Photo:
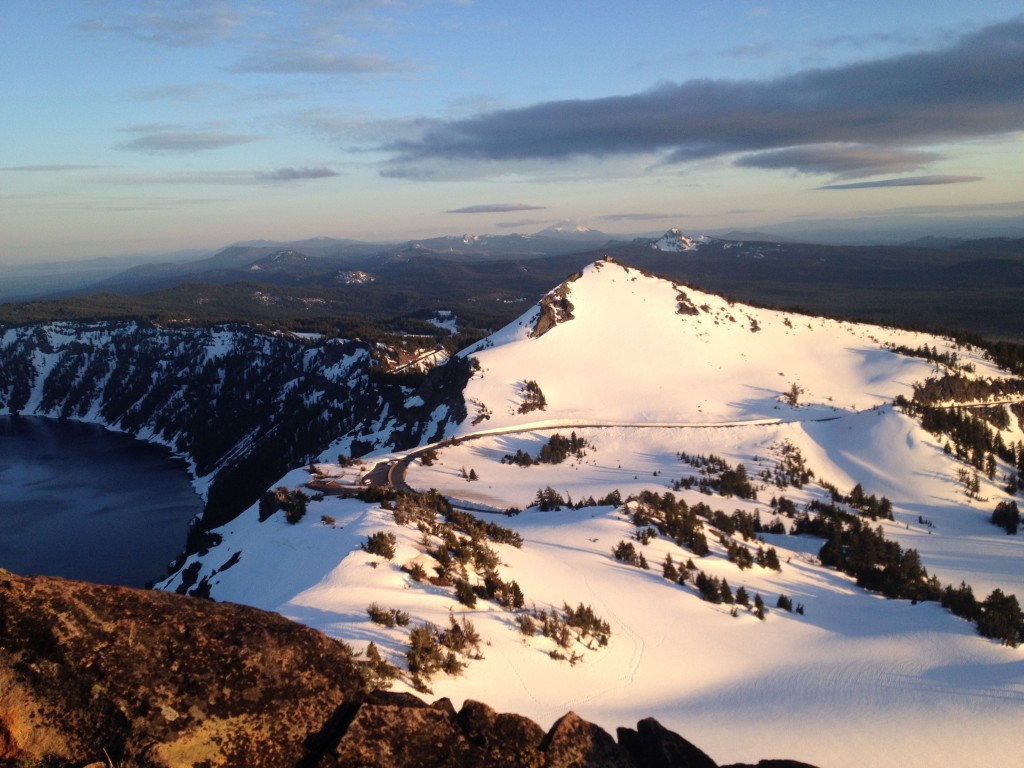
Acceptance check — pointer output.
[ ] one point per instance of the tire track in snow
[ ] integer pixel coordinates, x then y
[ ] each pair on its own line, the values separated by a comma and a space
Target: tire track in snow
636, 657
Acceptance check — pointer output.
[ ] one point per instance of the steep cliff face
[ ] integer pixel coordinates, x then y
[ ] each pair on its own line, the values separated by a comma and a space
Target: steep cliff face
242, 406
100, 675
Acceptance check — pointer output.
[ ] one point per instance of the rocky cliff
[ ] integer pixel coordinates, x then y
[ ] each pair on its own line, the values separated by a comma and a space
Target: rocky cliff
243, 406
111, 676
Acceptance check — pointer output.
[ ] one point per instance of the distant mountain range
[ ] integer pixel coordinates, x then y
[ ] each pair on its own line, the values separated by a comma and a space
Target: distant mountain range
488, 276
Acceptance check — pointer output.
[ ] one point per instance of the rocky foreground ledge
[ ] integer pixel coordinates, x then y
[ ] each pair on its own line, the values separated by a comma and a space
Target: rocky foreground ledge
112, 676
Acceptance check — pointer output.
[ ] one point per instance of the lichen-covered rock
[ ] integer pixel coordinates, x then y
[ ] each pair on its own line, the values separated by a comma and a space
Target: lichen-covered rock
150, 678
573, 742
93, 675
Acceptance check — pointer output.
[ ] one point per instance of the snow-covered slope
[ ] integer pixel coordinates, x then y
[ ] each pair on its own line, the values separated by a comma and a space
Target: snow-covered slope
638, 349
645, 371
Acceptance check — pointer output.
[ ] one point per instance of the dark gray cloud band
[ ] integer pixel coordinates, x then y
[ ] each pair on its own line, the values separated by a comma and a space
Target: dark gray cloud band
497, 208
972, 88
912, 181
846, 161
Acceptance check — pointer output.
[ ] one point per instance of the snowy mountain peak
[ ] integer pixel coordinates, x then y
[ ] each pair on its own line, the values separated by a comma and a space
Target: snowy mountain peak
572, 229
676, 241
604, 345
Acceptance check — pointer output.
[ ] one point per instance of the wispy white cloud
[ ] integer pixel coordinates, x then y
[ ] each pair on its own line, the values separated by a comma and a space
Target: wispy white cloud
173, 24
276, 176
53, 168
639, 216
296, 61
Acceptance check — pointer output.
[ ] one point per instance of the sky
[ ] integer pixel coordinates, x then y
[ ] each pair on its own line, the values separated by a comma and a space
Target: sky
151, 126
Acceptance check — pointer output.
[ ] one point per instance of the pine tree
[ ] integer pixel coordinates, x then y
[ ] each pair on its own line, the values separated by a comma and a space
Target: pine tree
726, 593
1007, 516
759, 609
742, 598
669, 570
1001, 618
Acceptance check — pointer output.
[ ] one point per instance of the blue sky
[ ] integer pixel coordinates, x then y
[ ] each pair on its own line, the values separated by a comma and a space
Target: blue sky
151, 125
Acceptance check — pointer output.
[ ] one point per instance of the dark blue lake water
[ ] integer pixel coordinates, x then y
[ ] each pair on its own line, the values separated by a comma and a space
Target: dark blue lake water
84, 503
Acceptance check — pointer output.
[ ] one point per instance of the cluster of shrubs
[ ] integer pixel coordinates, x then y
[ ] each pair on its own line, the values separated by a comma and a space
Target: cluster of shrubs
741, 555
382, 543
957, 388
1007, 516
376, 672
673, 519
533, 398
999, 616
869, 506
432, 650
477, 528
572, 625
791, 468
786, 604
930, 354
294, 504
717, 475
549, 500
557, 449
625, 552
387, 617
455, 553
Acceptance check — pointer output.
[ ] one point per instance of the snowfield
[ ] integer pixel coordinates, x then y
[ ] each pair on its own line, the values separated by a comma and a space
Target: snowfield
854, 680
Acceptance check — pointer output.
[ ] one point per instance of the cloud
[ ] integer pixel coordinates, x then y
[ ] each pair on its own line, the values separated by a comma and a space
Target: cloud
1013, 207
972, 88
297, 174
183, 142
497, 208
639, 216
913, 181
51, 168
522, 223
278, 176
846, 161
292, 62
173, 24
175, 92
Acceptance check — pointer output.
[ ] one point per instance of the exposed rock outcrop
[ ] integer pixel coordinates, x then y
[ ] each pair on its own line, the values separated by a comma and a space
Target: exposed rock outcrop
95, 674
155, 679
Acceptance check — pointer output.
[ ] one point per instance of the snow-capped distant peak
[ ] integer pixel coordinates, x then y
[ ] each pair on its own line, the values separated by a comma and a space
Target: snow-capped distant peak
571, 229
674, 240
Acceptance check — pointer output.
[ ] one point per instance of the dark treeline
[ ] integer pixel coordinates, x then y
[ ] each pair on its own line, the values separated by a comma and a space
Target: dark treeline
852, 546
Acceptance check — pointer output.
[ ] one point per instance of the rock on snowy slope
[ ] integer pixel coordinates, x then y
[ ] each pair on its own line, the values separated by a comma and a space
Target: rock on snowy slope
103, 675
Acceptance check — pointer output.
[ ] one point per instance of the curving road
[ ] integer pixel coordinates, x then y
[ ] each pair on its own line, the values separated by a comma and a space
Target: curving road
391, 473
